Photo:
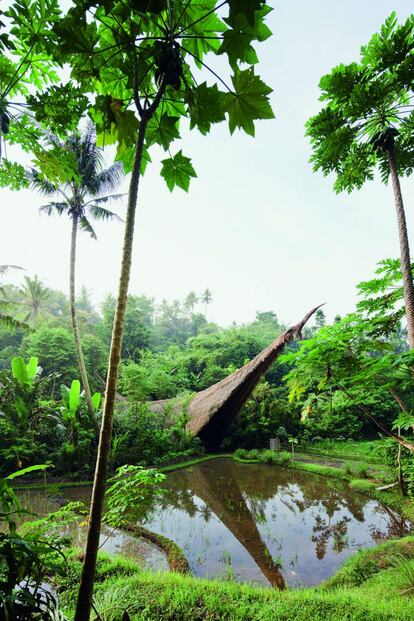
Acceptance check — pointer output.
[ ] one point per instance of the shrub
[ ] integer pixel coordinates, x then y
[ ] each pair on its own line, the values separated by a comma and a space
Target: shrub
284, 458
362, 471
269, 457
240, 453
348, 468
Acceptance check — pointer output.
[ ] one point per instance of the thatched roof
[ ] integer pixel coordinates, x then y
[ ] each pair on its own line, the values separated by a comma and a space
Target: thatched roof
212, 410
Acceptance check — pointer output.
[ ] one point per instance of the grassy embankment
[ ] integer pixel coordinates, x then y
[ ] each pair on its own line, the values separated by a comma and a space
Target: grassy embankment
374, 585
355, 463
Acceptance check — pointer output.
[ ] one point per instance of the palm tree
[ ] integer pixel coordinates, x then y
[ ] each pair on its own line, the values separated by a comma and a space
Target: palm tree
190, 301
81, 200
34, 297
206, 298
7, 305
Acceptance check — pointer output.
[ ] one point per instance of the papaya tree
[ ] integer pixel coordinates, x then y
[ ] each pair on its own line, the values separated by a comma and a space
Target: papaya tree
28, 66
367, 123
146, 66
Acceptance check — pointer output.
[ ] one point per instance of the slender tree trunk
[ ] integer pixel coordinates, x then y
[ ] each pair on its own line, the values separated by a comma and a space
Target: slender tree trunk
404, 247
84, 602
76, 333
400, 471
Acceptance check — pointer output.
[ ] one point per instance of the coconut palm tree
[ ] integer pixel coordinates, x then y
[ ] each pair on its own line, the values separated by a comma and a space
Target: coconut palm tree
206, 298
6, 305
190, 301
34, 297
81, 200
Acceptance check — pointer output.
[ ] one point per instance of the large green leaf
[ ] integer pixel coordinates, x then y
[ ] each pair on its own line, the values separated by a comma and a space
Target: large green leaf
74, 396
96, 400
163, 130
206, 105
19, 370
249, 102
28, 470
31, 367
177, 171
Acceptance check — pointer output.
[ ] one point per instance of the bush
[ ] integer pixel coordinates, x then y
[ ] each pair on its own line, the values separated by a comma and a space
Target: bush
348, 468
362, 471
143, 437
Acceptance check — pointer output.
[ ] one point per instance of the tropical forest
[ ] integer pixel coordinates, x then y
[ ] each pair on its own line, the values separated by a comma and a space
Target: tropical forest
206, 310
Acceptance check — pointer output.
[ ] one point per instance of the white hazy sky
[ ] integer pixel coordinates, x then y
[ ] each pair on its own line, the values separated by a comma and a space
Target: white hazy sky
258, 227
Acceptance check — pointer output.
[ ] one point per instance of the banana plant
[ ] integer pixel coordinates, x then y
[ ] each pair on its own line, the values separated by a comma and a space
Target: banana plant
72, 413
18, 394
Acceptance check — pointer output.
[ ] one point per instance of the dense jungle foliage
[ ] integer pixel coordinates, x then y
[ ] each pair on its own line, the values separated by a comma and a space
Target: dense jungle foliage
338, 383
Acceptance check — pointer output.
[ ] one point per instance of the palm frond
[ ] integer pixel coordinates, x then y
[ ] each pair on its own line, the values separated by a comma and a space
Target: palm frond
100, 213
53, 207
101, 200
109, 179
40, 184
6, 321
89, 156
6, 305
85, 225
6, 268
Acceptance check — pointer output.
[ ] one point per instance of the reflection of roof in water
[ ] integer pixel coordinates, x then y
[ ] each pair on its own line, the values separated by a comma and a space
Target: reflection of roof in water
211, 410
219, 490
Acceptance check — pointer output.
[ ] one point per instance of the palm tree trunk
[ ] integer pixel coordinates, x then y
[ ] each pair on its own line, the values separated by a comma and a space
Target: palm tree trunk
76, 333
84, 602
408, 284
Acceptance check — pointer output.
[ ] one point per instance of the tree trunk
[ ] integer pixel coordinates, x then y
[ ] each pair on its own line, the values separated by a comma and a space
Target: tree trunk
84, 602
404, 247
76, 333
399, 466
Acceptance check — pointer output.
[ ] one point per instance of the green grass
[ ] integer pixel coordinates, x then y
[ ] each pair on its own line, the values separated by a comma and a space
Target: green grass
327, 471
176, 558
363, 450
366, 589
190, 462
365, 564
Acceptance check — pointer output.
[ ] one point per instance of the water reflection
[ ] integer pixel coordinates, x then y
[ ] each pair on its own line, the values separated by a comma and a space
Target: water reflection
111, 540
257, 523
255, 519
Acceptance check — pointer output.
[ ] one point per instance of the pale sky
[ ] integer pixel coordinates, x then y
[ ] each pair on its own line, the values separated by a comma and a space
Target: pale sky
257, 227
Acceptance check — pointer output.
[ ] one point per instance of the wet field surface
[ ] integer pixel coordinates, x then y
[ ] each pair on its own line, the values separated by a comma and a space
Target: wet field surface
253, 523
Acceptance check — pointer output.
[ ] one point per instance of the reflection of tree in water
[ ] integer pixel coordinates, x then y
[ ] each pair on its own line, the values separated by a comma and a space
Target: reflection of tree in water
215, 485
239, 494
176, 496
325, 529
397, 526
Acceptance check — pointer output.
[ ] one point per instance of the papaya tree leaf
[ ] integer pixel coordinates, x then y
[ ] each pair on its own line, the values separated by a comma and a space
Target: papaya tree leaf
249, 102
177, 171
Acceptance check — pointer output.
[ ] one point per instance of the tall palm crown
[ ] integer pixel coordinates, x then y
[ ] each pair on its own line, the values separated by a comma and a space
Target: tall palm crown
35, 297
8, 306
82, 198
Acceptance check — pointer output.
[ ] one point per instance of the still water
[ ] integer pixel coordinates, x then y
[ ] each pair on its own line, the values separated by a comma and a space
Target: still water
258, 523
